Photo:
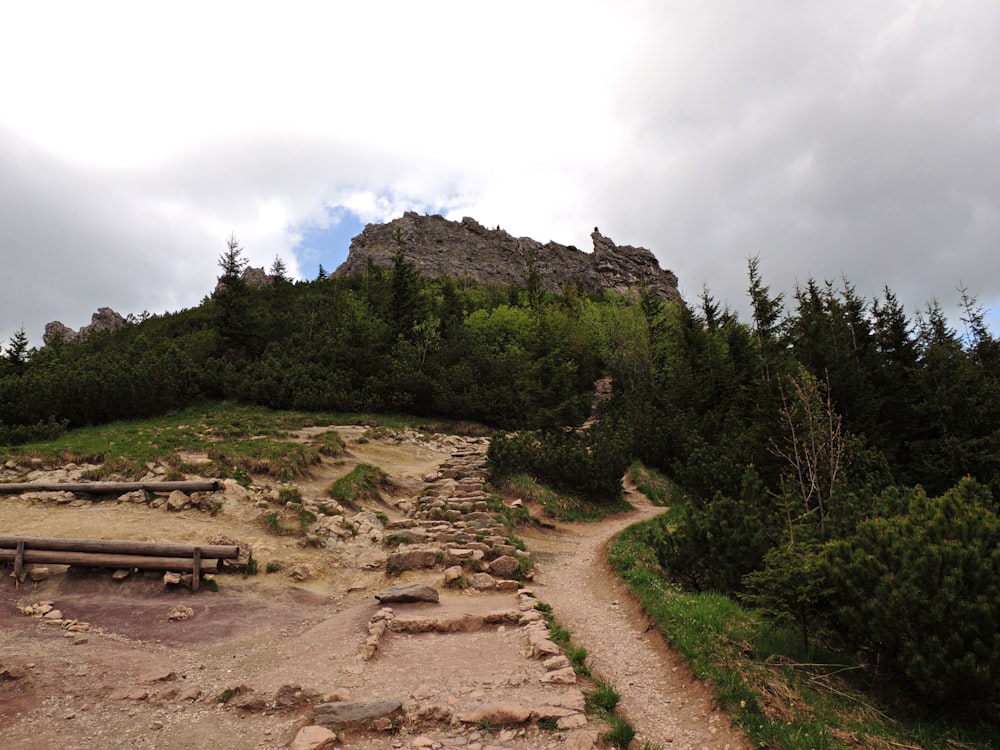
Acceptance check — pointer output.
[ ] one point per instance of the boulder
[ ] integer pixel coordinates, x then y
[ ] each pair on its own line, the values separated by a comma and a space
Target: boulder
412, 559
498, 714
483, 582
178, 501
354, 713
314, 738
506, 567
412, 593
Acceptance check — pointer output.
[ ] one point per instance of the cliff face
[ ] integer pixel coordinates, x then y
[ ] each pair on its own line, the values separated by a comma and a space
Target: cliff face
468, 250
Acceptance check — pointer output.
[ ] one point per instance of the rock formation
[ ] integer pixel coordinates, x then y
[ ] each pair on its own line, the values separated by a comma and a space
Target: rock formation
468, 250
105, 319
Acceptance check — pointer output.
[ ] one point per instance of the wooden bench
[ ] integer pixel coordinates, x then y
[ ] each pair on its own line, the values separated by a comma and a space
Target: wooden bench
118, 554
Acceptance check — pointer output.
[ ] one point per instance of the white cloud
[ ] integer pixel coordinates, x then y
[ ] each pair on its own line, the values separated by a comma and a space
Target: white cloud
851, 138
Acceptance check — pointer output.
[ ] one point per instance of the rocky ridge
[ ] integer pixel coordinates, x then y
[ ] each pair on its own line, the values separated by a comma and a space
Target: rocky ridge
468, 250
105, 319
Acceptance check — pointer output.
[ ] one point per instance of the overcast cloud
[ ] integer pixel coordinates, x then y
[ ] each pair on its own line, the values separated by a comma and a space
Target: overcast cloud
854, 138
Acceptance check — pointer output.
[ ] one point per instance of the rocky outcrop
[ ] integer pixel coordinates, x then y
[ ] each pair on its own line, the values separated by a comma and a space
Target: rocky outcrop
256, 277
468, 250
105, 319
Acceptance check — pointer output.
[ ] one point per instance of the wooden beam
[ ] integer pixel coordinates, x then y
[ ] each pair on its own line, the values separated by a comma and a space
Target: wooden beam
121, 547
101, 560
107, 488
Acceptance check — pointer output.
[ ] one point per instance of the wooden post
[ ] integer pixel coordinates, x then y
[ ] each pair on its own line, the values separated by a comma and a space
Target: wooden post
18, 561
196, 570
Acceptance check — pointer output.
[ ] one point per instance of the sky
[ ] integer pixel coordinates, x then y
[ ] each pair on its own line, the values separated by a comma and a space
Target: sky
854, 139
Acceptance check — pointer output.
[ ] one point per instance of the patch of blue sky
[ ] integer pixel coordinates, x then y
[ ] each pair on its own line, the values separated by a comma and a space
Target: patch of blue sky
993, 316
327, 244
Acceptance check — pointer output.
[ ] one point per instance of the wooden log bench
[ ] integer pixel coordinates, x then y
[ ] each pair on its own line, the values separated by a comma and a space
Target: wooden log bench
106, 488
117, 553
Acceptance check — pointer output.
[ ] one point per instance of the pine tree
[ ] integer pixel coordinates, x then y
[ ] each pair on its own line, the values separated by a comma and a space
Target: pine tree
18, 352
232, 297
767, 312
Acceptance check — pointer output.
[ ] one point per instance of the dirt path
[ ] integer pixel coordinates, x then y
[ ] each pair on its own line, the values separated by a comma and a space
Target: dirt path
658, 695
137, 680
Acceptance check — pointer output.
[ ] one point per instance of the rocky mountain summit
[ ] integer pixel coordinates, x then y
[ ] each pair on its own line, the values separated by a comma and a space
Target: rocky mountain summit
105, 319
468, 250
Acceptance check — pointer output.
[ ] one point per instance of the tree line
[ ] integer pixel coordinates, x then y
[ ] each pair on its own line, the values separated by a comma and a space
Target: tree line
387, 340
842, 468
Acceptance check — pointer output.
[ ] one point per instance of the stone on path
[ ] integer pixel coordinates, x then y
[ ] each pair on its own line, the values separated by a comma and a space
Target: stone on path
505, 567
352, 713
313, 738
498, 714
560, 677
582, 740
180, 612
421, 558
412, 593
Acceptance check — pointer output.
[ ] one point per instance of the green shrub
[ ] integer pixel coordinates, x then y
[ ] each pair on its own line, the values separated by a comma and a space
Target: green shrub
918, 594
712, 545
589, 464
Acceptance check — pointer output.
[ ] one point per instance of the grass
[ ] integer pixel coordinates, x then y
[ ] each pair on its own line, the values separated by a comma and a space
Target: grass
330, 444
658, 488
779, 695
235, 439
362, 483
604, 699
253, 567
239, 440
289, 495
560, 505
620, 732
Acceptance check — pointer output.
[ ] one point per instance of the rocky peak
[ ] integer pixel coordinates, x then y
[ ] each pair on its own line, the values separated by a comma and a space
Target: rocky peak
105, 319
251, 277
468, 250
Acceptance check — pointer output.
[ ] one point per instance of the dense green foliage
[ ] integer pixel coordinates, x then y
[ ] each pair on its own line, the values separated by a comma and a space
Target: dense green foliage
826, 455
385, 341
587, 464
781, 694
916, 589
